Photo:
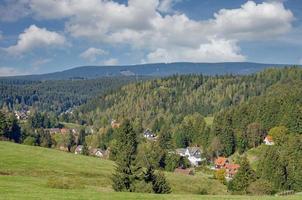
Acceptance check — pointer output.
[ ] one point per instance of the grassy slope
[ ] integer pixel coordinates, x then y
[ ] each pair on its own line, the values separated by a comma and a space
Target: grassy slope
25, 172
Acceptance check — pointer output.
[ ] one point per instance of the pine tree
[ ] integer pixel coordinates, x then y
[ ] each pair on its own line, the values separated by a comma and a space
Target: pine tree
160, 184
81, 139
243, 178
70, 141
126, 171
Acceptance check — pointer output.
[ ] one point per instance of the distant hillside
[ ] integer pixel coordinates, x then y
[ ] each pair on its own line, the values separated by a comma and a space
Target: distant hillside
157, 69
57, 95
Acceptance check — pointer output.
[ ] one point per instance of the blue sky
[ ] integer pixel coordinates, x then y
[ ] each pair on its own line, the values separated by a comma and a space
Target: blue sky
52, 35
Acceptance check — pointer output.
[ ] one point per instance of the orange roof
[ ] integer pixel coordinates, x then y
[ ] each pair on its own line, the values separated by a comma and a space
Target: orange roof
269, 138
232, 166
64, 130
221, 161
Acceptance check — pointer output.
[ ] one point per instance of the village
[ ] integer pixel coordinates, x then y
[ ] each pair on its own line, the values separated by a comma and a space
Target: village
194, 155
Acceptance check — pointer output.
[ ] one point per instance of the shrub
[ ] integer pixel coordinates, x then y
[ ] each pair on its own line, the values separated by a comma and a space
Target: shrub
29, 141
260, 187
220, 175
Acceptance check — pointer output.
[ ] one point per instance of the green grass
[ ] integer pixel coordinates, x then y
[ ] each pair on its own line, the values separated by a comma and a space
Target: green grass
71, 125
38, 173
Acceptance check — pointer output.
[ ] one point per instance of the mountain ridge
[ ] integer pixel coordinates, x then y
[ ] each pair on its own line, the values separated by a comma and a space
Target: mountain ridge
153, 69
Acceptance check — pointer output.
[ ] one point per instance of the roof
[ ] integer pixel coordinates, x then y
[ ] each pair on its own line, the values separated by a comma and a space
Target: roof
193, 150
269, 138
221, 161
180, 151
149, 133
232, 168
115, 124
94, 151
64, 130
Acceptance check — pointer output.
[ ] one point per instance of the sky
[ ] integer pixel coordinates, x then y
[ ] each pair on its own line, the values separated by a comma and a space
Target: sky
41, 36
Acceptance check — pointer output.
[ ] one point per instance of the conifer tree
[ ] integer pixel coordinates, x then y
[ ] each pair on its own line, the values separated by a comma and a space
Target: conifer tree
126, 172
160, 184
243, 178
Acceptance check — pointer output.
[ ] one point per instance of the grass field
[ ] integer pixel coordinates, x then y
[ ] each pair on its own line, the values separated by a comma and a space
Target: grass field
38, 173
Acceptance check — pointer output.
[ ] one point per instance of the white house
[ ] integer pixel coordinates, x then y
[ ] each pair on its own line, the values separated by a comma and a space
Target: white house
98, 153
268, 140
193, 154
149, 135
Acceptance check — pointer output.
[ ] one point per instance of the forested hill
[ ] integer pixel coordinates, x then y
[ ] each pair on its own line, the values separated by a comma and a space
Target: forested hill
173, 98
56, 95
157, 69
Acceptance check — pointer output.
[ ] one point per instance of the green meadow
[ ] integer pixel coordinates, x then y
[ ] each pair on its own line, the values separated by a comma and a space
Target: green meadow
28, 172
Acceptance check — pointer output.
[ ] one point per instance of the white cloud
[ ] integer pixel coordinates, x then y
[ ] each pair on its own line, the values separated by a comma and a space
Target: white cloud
9, 71
35, 37
215, 51
166, 6
111, 61
12, 10
91, 54
141, 24
252, 20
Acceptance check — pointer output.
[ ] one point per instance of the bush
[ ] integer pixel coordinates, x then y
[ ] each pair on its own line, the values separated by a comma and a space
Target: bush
203, 191
29, 141
260, 187
220, 175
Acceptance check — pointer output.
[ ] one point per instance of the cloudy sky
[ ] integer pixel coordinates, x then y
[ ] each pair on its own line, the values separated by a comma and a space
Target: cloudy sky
51, 35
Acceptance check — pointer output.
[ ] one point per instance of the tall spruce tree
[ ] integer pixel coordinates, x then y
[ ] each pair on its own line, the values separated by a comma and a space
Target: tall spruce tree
126, 172
244, 177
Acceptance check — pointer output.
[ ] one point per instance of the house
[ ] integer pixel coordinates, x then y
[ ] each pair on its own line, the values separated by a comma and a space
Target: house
64, 131
115, 124
21, 115
98, 153
187, 171
268, 140
53, 130
231, 170
148, 134
181, 152
221, 162
193, 154
79, 149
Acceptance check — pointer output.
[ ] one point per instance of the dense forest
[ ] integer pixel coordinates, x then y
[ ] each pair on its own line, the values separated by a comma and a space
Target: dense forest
56, 95
175, 97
